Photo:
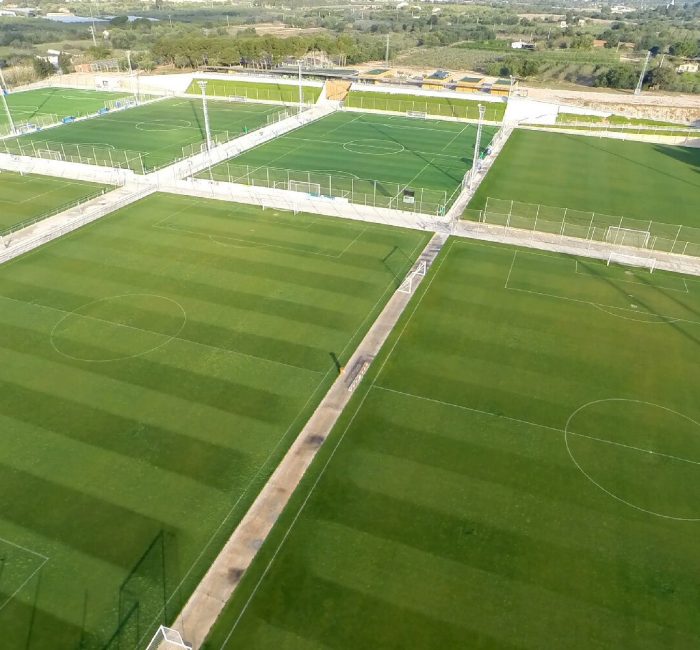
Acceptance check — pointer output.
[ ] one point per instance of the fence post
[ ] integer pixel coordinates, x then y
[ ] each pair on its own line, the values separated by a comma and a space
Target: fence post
673, 246
563, 223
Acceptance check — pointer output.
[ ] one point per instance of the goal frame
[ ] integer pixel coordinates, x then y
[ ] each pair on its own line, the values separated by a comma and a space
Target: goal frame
616, 235
418, 115
49, 154
305, 187
166, 638
411, 280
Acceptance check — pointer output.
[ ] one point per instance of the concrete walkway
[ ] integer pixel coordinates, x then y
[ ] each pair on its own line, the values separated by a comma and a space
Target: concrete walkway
219, 583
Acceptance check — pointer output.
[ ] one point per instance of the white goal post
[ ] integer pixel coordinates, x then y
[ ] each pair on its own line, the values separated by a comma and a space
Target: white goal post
411, 280
303, 186
167, 639
421, 115
627, 237
632, 260
48, 154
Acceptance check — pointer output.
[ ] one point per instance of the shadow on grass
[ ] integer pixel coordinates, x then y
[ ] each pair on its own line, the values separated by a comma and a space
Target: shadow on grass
594, 270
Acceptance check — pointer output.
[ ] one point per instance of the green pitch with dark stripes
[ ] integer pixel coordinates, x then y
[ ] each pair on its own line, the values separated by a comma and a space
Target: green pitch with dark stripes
26, 197
156, 365
519, 469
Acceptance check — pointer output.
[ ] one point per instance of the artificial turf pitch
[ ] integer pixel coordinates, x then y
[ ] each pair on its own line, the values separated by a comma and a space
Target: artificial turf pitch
628, 179
155, 366
446, 106
26, 197
519, 469
399, 153
159, 130
283, 93
29, 105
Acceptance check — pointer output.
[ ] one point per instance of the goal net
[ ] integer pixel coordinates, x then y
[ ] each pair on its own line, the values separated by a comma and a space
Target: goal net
627, 237
632, 260
47, 154
307, 188
411, 280
421, 115
167, 639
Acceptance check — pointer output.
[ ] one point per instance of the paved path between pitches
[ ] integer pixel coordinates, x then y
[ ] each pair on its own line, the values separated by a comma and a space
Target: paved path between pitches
217, 586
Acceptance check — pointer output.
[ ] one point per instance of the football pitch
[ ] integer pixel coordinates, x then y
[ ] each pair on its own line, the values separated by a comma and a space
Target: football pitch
288, 93
156, 365
25, 197
629, 179
157, 131
29, 105
376, 157
519, 469
446, 106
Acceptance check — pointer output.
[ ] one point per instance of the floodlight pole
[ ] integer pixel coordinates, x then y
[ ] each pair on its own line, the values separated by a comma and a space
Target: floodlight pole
203, 86
477, 145
301, 90
638, 89
3, 91
134, 89
92, 27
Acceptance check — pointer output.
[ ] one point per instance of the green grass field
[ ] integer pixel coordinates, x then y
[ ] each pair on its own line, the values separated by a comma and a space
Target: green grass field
28, 197
158, 131
155, 366
253, 90
62, 102
343, 151
630, 179
613, 119
445, 106
519, 469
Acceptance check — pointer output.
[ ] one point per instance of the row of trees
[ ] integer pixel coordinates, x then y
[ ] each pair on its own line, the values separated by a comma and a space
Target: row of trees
264, 50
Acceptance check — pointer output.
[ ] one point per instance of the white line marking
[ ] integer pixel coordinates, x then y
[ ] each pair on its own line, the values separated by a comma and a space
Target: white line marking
176, 338
510, 270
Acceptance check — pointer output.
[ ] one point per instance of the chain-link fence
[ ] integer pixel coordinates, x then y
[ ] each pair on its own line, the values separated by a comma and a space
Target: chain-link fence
380, 194
435, 106
6, 232
36, 123
640, 234
103, 156
222, 137
603, 130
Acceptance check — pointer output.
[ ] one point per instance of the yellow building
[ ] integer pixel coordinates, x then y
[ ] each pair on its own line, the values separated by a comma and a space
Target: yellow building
375, 76
437, 80
501, 87
468, 84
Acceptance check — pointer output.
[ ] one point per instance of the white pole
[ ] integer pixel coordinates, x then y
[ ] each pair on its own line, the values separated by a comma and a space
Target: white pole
638, 89
301, 90
3, 91
92, 28
477, 145
203, 86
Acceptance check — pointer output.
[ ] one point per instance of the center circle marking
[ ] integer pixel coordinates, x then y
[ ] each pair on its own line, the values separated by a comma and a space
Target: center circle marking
374, 147
163, 125
125, 304
570, 434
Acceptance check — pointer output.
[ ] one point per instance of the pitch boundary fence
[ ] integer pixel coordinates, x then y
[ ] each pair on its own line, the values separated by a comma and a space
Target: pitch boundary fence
646, 235
465, 109
54, 211
348, 188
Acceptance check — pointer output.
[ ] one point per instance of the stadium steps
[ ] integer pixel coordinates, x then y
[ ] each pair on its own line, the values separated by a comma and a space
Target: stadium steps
336, 90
